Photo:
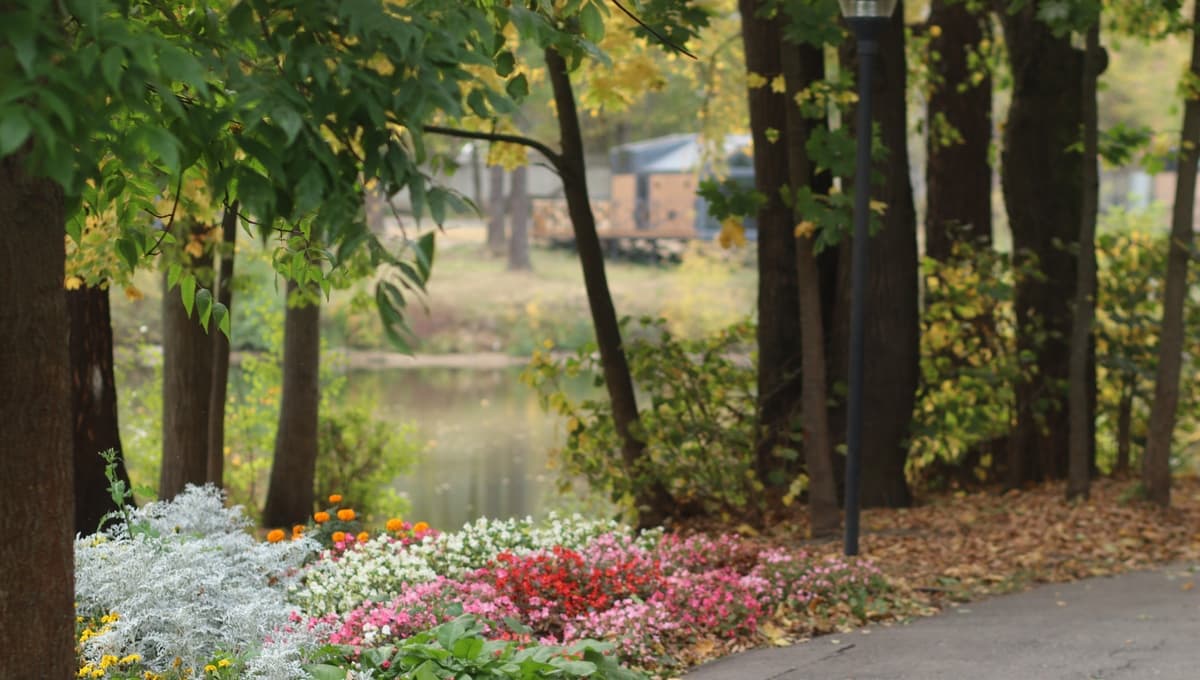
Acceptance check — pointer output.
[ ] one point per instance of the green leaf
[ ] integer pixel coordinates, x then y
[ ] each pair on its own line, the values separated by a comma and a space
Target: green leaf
163, 144
324, 671
505, 63
111, 66
14, 129
289, 121
128, 251
425, 249
591, 21
204, 306
25, 48
518, 87
187, 288
221, 315
173, 273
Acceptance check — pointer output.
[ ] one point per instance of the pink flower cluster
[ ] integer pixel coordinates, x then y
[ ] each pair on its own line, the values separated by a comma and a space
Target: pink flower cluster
648, 602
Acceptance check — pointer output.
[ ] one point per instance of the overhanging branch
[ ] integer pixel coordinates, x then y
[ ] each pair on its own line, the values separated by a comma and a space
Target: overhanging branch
550, 154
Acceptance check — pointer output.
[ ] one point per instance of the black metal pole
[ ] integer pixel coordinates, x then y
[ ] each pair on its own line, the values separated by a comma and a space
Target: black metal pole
866, 32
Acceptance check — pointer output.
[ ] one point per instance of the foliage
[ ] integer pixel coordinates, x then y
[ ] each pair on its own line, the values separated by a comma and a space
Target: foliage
362, 456
460, 648
698, 427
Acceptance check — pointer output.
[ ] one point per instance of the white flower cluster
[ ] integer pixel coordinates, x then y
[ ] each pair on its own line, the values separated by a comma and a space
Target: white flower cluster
187, 581
379, 570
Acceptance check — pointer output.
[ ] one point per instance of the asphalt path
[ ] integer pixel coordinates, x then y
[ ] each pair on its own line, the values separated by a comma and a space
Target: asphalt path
1133, 626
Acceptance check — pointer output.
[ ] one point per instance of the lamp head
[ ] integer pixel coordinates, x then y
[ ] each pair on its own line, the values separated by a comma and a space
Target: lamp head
867, 9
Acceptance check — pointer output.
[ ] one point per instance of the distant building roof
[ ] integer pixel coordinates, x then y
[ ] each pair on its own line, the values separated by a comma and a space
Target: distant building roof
675, 153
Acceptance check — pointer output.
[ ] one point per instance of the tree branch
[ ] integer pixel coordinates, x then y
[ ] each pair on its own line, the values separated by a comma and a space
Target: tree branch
661, 38
546, 151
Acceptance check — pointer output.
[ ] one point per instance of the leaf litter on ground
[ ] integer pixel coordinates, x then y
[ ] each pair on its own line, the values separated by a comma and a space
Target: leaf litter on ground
960, 547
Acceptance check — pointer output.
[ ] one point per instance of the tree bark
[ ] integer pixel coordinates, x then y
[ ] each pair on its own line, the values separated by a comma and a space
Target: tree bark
37, 503
519, 214
802, 66
1042, 194
220, 348
779, 358
1124, 432
654, 503
958, 175
93, 404
891, 309
1156, 461
293, 470
1080, 432
187, 381
496, 209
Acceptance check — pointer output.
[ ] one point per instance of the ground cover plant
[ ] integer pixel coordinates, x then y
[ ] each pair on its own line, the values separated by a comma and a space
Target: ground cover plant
183, 588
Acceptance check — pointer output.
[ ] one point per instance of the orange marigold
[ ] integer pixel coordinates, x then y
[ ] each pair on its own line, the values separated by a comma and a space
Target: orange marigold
346, 515
321, 517
363, 536
297, 529
335, 498
394, 525
338, 536
275, 536
420, 527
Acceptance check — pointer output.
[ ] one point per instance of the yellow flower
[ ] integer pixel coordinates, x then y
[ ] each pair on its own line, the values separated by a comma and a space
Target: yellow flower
210, 668
321, 517
338, 536
420, 527
224, 663
394, 525
275, 536
346, 515
335, 498
363, 536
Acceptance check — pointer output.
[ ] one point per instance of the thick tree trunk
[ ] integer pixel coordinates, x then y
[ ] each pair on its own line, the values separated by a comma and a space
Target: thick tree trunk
187, 380
293, 470
654, 502
37, 503
1081, 423
891, 310
802, 66
220, 349
519, 214
496, 210
1042, 185
779, 357
93, 404
1156, 465
958, 174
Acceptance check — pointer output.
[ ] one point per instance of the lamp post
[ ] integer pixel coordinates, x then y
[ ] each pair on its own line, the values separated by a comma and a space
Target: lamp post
867, 18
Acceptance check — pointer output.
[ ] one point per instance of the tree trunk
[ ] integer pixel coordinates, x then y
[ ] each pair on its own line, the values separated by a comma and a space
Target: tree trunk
496, 209
220, 349
293, 470
1042, 185
1124, 432
187, 381
37, 503
519, 208
477, 174
1080, 433
958, 174
1156, 461
802, 66
779, 358
654, 503
93, 404
891, 309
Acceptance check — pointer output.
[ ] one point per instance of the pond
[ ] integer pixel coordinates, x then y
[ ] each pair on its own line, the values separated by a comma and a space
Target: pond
488, 442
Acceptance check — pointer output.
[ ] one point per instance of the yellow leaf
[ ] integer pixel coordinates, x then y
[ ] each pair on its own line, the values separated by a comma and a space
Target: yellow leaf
195, 248
805, 229
133, 293
778, 84
73, 283
755, 80
935, 31
733, 233
879, 207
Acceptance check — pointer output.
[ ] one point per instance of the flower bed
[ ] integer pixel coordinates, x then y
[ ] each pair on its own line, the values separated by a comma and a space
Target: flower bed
572, 597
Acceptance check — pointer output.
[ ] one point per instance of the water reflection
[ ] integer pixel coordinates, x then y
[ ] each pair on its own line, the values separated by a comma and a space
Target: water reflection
488, 441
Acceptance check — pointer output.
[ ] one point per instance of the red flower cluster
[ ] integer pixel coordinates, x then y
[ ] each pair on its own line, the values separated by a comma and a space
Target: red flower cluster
558, 585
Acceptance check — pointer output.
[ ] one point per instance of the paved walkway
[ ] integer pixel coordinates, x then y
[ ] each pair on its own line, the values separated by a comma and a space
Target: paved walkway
1135, 626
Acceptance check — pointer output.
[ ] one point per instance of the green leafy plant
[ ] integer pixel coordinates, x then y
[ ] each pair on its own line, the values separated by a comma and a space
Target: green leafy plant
698, 424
